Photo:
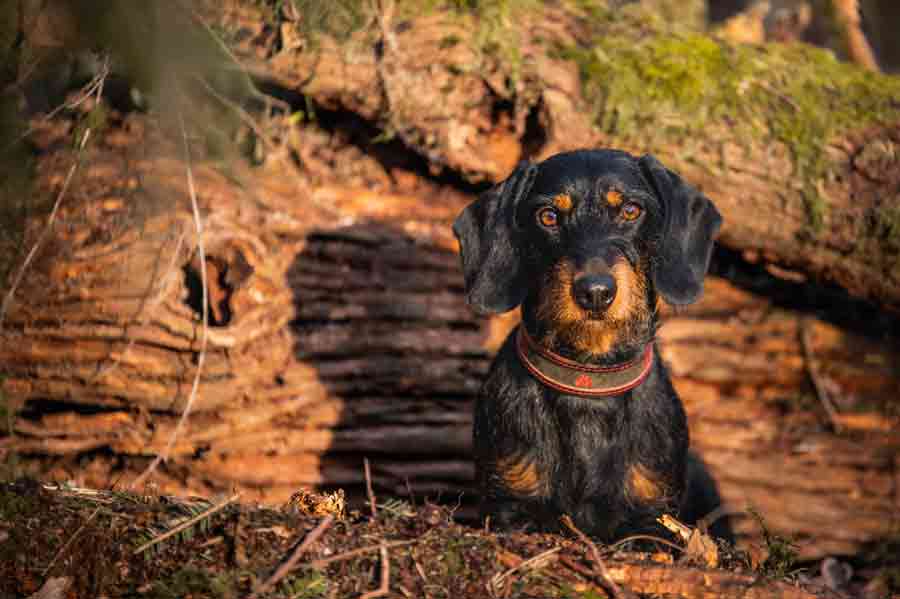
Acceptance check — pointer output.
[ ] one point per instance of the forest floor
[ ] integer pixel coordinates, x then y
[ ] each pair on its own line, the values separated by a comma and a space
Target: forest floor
58, 541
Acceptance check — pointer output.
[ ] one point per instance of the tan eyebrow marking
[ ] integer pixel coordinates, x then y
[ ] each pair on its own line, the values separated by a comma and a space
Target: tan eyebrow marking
563, 201
614, 198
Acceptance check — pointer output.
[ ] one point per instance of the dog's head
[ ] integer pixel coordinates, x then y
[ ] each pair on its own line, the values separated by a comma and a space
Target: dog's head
587, 240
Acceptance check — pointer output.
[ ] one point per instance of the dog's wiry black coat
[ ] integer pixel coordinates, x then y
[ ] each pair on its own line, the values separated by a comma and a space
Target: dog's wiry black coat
613, 464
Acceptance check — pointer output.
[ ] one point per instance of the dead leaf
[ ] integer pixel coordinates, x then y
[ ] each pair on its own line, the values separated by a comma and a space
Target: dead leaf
680, 529
702, 549
319, 504
54, 588
758, 555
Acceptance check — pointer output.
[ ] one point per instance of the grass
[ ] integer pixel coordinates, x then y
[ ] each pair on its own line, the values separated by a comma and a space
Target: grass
782, 558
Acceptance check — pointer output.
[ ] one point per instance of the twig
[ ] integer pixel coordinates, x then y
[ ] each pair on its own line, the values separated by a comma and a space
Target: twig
419, 570
576, 567
384, 588
369, 492
94, 85
272, 147
533, 563
285, 568
384, 14
821, 392
201, 358
63, 549
660, 540
712, 517
241, 112
187, 524
321, 563
599, 565
97, 84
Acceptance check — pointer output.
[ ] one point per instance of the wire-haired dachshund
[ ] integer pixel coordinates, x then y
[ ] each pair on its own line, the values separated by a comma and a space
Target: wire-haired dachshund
578, 416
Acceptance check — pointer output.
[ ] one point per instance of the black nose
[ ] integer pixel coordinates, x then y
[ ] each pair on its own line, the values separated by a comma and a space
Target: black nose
595, 292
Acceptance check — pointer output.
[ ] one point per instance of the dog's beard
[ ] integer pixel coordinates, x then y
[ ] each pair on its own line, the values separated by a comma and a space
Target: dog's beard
586, 332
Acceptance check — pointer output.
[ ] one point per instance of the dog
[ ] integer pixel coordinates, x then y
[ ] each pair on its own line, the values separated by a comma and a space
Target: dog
577, 415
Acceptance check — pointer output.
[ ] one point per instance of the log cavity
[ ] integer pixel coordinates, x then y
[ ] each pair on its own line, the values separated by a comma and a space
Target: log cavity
224, 274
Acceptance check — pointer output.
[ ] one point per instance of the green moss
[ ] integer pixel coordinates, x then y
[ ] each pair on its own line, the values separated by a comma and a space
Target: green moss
338, 19
570, 593
188, 581
15, 505
887, 226
495, 23
644, 78
95, 120
310, 585
456, 551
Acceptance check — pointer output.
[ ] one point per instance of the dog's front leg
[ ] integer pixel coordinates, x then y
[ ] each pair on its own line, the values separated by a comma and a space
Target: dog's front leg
517, 493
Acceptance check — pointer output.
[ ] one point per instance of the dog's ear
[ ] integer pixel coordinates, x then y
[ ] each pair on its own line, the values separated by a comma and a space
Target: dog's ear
690, 222
487, 233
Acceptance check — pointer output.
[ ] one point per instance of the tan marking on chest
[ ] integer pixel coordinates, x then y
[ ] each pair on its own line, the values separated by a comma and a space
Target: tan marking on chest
521, 476
614, 198
644, 484
563, 202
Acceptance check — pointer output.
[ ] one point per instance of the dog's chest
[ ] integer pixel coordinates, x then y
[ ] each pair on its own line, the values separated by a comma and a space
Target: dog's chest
593, 448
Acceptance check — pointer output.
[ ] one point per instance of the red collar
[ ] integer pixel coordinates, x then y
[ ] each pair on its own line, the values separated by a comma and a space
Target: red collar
575, 378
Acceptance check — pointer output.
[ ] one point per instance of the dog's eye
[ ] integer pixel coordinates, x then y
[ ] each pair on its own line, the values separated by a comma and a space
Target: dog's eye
631, 211
548, 217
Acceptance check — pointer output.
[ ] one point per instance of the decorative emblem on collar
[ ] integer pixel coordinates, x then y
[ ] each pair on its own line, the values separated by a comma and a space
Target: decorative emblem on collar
575, 378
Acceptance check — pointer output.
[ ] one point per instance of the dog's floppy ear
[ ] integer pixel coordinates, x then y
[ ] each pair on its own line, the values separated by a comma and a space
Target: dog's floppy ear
690, 221
486, 230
